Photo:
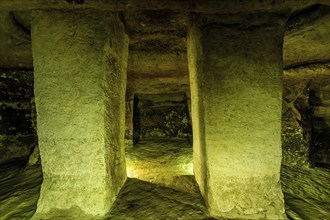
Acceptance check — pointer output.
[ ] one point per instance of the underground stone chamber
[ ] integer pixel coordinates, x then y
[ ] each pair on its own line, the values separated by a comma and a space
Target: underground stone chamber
153, 110
162, 151
161, 116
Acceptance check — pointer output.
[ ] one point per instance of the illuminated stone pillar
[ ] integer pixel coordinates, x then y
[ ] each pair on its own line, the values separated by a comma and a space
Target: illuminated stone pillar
80, 61
235, 74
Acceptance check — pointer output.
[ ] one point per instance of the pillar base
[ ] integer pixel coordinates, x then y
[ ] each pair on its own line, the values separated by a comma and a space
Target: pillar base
247, 198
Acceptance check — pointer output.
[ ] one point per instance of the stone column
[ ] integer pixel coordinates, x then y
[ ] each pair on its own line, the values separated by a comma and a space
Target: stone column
80, 61
235, 69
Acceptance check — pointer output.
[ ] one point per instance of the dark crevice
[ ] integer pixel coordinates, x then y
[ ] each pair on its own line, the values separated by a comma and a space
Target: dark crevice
157, 46
21, 27
78, 2
306, 64
124, 21
238, 26
176, 33
10, 69
306, 16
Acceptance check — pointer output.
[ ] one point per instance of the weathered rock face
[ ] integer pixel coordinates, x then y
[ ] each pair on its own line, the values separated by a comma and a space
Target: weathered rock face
320, 103
80, 61
15, 41
296, 122
161, 116
129, 122
305, 119
306, 37
17, 134
236, 114
167, 162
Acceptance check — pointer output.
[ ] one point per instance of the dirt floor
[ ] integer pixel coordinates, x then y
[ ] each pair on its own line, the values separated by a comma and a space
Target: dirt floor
161, 186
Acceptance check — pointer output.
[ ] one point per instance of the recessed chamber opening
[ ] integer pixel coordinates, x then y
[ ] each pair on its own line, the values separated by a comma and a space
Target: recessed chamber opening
161, 116
162, 151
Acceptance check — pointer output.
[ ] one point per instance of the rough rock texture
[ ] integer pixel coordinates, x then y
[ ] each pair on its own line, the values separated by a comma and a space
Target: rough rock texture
19, 190
158, 64
156, 116
162, 116
79, 93
165, 162
208, 6
236, 114
157, 53
158, 36
157, 59
160, 83
129, 122
17, 135
306, 191
306, 39
162, 203
15, 41
306, 113
296, 121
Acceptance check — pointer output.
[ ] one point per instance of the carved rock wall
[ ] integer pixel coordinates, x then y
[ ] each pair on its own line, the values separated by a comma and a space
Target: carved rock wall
306, 116
17, 118
162, 116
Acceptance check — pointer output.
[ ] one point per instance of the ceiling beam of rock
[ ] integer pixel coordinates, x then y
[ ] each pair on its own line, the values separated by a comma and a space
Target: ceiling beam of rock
307, 38
149, 63
209, 6
308, 71
157, 85
157, 30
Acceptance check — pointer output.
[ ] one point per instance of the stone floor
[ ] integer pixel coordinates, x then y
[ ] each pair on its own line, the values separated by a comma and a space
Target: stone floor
19, 191
306, 193
166, 163
165, 188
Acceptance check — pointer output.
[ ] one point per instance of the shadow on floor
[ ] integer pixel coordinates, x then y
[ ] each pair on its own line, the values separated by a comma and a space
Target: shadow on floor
143, 200
306, 192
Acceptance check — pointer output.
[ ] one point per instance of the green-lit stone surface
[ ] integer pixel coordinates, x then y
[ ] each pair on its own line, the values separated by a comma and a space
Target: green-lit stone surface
306, 192
254, 80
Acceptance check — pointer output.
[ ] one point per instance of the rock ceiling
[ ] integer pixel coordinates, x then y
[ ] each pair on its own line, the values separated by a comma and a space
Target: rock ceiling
158, 33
